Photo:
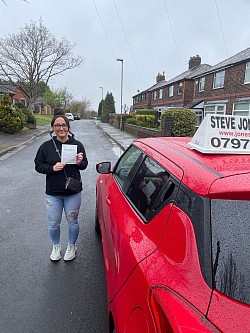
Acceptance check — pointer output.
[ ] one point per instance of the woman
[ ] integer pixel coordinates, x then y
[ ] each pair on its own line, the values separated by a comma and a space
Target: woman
57, 198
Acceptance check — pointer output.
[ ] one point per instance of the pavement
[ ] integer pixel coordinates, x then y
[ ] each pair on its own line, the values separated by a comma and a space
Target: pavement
9, 142
122, 138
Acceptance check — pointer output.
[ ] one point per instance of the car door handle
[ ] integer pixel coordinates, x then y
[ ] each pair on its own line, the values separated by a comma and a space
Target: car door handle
108, 201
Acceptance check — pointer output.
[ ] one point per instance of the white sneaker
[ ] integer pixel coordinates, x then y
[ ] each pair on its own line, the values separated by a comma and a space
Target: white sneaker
70, 253
56, 252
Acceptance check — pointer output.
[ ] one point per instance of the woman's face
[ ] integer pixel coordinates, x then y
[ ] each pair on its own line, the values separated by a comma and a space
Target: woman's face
61, 129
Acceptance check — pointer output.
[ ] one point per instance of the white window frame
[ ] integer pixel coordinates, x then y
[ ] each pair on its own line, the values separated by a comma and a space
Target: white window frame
155, 95
201, 84
214, 109
199, 116
171, 91
218, 81
160, 93
180, 88
247, 73
242, 111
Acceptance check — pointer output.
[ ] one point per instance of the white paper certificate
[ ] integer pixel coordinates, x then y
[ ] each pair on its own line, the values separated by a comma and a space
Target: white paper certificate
68, 155
149, 189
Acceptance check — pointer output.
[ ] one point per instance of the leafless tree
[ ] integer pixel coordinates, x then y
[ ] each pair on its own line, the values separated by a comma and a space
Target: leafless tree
22, 0
35, 55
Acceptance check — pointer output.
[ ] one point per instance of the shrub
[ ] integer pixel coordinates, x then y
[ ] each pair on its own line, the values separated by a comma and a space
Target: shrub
148, 112
10, 120
145, 120
30, 118
131, 121
184, 121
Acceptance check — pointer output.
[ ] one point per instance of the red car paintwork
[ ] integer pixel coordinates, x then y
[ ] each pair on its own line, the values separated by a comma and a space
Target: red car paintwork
159, 261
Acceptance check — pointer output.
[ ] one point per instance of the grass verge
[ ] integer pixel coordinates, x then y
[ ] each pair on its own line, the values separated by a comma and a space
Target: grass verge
42, 120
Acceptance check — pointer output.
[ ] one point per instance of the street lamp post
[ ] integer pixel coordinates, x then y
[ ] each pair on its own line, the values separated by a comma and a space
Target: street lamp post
121, 60
102, 99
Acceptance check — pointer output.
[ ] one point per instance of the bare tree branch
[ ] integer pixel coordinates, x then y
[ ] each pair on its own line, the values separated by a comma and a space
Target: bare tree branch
34, 55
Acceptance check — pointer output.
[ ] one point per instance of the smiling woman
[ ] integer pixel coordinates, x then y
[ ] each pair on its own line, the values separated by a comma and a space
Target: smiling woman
59, 197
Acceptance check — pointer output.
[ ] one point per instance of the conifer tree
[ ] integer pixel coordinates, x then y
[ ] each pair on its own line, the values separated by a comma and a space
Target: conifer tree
10, 121
109, 104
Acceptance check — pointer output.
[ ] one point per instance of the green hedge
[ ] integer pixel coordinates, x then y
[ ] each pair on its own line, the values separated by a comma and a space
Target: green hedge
184, 121
148, 112
145, 120
131, 121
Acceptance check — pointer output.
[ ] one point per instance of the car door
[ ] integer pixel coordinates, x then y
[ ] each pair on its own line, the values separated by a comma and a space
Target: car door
132, 233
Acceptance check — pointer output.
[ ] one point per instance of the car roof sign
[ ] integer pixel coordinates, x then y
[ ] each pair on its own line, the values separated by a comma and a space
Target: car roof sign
222, 134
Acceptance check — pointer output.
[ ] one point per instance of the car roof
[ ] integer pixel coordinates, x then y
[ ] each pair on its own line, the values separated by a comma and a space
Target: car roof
202, 170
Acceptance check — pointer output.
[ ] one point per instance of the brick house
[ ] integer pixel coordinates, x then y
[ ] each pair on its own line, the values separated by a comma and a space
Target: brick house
222, 89
225, 87
16, 93
41, 107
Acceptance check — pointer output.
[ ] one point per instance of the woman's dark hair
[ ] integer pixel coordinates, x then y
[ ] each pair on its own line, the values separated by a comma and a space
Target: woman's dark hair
60, 116
58, 111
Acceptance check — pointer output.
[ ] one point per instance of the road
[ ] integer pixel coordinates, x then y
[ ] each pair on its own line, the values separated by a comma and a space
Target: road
36, 294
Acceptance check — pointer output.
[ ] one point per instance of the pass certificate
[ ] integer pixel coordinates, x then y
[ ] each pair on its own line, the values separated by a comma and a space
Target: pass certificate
149, 189
69, 153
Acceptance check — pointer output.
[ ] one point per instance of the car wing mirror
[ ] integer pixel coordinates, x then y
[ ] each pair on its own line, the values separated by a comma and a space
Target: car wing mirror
103, 167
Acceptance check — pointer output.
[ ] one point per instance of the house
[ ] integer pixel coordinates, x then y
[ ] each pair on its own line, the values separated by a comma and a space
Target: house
41, 107
16, 93
223, 88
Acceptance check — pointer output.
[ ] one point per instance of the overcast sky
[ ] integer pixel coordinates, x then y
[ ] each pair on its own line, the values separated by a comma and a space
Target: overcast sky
150, 36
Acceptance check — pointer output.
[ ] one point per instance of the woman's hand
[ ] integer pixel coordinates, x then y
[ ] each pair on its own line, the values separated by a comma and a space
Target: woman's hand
58, 166
79, 158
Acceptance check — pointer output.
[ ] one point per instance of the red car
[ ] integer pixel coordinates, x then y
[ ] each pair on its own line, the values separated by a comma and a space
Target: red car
175, 228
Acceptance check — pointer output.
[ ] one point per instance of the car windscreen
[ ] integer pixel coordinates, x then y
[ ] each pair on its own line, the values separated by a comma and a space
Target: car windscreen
230, 224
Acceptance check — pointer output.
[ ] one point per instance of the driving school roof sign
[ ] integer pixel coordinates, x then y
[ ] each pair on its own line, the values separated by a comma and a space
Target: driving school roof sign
222, 134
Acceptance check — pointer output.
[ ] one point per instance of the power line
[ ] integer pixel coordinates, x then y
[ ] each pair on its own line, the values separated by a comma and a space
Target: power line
173, 34
221, 27
128, 43
109, 41
104, 30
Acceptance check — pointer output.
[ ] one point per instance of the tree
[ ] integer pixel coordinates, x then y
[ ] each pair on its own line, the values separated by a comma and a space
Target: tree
58, 97
34, 55
80, 107
109, 104
10, 120
100, 108
42, 87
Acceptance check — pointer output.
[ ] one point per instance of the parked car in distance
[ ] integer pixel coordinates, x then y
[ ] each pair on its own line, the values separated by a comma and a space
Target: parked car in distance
76, 116
69, 116
175, 232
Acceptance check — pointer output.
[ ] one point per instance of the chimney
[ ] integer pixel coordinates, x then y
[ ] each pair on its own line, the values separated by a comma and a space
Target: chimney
194, 61
160, 77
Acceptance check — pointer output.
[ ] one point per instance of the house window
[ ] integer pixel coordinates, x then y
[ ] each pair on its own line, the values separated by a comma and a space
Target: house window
155, 95
247, 73
160, 94
23, 101
180, 88
171, 91
199, 117
219, 80
201, 84
241, 109
214, 109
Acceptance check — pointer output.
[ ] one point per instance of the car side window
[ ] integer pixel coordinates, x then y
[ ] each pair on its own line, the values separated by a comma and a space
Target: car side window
147, 185
125, 164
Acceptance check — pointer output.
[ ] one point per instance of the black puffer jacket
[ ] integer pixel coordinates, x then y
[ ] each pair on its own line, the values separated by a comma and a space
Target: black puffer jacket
47, 157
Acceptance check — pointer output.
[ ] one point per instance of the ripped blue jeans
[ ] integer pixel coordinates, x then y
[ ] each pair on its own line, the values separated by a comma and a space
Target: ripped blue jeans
55, 206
